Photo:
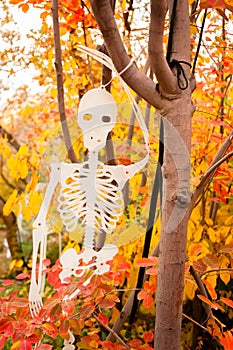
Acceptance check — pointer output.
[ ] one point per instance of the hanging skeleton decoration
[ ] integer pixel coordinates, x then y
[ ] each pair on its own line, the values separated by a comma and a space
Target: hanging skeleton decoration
90, 193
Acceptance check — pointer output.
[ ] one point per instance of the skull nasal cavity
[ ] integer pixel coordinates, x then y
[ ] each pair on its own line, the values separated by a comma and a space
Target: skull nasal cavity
87, 117
106, 119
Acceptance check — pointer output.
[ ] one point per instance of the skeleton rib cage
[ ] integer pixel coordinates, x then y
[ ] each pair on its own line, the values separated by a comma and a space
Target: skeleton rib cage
73, 207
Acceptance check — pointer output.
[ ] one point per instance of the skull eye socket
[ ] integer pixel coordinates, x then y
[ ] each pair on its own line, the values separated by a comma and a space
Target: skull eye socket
87, 117
106, 119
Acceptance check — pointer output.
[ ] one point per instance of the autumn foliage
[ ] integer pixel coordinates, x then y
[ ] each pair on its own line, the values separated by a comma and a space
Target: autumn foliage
33, 122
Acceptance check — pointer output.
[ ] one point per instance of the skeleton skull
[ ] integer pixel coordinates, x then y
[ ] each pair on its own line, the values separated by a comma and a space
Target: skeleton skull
96, 117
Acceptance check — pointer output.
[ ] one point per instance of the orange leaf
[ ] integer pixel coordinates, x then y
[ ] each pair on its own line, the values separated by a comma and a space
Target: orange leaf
227, 301
15, 1
24, 7
144, 262
50, 329
106, 304
64, 327
148, 301
211, 261
211, 290
152, 271
134, 343
148, 336
87, 311
206, 300
144, 190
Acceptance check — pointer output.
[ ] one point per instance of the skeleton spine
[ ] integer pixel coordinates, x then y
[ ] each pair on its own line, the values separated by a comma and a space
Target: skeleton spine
89, 236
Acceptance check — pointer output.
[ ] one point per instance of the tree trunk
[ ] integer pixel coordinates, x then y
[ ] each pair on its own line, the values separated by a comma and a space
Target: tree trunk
172, 247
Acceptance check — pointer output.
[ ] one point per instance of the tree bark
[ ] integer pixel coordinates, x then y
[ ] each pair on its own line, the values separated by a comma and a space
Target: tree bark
172, 247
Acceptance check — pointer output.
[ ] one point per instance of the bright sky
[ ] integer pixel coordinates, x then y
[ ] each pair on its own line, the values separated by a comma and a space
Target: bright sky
25, 23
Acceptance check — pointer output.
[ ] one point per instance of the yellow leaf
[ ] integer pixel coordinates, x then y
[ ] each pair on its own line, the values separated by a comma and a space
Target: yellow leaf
53, 92
50, 59
15, 345
26, 212
23, 169
35, 200
213, 235
19, 263
193, 29
12, 264
23, 151
225, 277
198, 233
212, 279
8, 207
85, 80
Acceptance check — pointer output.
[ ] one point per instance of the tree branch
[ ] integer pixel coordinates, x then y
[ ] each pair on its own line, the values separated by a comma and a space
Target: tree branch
9, 138
218, 160
138, 81
111, 331
60, 87
164, 75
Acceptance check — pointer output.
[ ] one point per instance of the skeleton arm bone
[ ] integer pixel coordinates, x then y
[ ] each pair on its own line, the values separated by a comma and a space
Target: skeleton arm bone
39, 239
122, 173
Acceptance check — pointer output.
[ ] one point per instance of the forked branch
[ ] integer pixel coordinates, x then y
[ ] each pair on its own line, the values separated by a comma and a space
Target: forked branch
138, 81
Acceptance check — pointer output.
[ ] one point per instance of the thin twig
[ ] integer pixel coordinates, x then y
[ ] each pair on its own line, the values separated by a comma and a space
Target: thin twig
202, 290
60, 86
195, 322
116, 336
229, 270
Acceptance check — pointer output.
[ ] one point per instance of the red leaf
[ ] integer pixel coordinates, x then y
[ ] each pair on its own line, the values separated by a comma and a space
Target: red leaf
5, 324
148, 336
22, 276
64, 327
44, 347
23, 345
7, 283
103, 318
50, 329
87, 311
77, 325
134, 343
6, 308
212, 3
106, 304
56, 312
68, 306
3, 340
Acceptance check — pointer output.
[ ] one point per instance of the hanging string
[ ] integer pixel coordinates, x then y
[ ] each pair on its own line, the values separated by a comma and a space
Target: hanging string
182, 80
180, 73
199, 41
119, 73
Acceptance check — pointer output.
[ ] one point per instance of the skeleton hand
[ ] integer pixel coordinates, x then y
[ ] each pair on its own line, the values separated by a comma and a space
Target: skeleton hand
35, 300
